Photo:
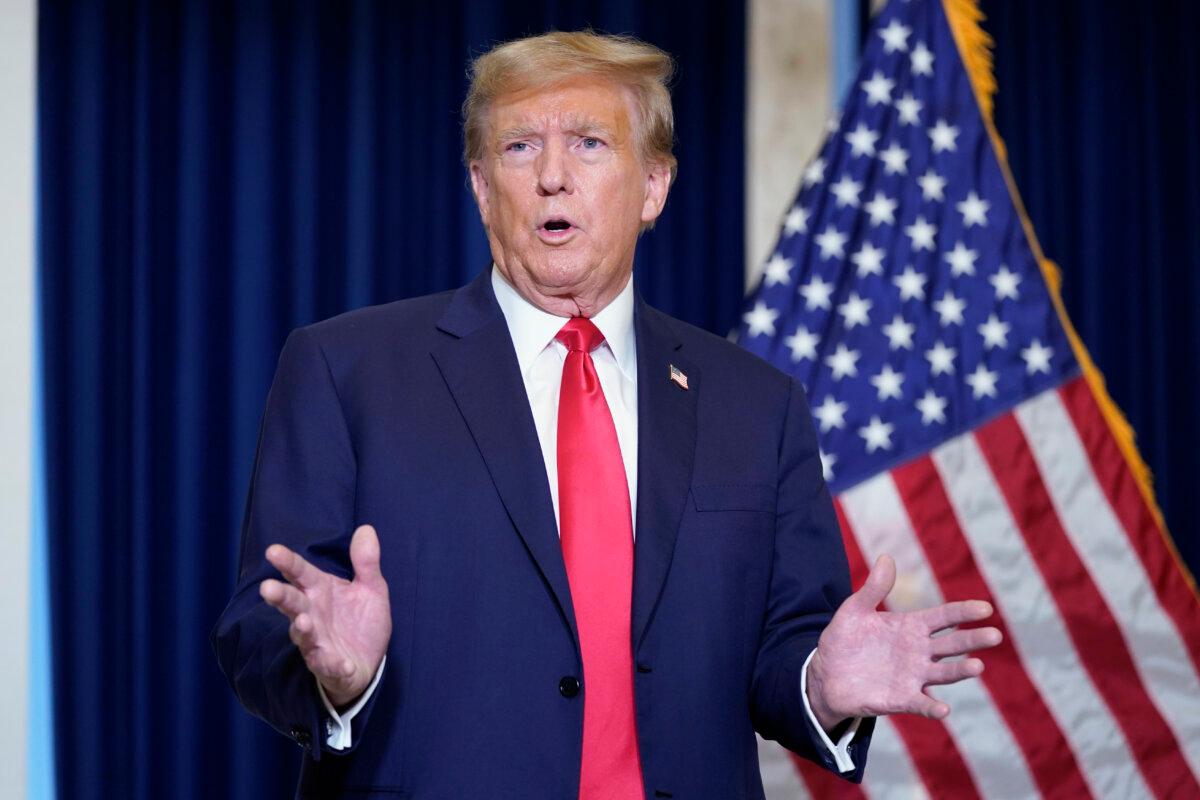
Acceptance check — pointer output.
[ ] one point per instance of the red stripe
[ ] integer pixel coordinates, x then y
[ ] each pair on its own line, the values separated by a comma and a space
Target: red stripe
1175, 594
1051, 761
933, 750
858, 565
1090, 623
822, 783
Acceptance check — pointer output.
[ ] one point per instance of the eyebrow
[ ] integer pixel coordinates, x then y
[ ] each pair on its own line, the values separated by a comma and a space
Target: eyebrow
585, 126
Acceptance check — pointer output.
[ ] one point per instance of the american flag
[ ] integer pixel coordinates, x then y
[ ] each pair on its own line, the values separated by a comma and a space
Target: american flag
961, 434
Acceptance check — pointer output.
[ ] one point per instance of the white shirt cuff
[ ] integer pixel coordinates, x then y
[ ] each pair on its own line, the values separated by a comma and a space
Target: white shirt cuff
840, 751
337, 726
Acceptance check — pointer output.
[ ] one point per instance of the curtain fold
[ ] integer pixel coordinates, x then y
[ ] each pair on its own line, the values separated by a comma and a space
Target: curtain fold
212, 175
1099, 105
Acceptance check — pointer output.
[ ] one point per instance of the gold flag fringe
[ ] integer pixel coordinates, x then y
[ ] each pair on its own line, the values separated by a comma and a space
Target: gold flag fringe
975, 49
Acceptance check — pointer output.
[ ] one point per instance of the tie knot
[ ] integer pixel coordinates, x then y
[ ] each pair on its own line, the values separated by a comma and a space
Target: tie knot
580, 334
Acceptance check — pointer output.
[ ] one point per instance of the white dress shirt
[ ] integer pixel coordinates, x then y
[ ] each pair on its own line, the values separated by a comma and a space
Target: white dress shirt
540, 357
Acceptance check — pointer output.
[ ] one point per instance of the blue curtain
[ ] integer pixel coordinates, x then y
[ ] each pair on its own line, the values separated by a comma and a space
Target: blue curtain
1099, 105
211, 175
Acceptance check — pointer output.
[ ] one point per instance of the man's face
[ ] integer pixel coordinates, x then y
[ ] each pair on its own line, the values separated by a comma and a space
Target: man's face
563, 193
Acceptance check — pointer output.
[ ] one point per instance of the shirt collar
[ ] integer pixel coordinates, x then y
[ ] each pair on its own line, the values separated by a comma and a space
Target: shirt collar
532, 329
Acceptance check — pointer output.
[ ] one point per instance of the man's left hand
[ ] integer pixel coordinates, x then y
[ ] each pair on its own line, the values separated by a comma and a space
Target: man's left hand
870, 663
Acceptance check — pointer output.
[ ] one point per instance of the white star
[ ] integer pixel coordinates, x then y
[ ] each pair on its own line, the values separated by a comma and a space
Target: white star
846, 191
982, 382
816, 294
862, 140
932, 185
973, 210
961, 260
832, 242
911, 284
1037, 358
827, 462
941, 359
1005, 283
843, 362
831, 414
803, 344
760, 319
814, 173
869, 260
796, 221
877, 434
922, 60
882, 209
932, 408
899, 333
895, 36
887, 383
854, 311
994, 332
895, 160
921, 233
950, 309
878, 89
942, 136
909, 109
778, 270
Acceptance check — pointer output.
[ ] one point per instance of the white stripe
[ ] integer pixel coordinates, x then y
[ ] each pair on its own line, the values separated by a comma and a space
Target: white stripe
1038, 632
1100, 540
781, 779
881, 525
890, 774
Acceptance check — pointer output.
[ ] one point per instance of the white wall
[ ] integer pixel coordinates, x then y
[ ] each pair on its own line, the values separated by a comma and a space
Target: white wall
789, 58
17, 27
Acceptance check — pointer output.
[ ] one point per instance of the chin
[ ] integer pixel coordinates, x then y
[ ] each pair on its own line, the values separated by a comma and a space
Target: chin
562, 270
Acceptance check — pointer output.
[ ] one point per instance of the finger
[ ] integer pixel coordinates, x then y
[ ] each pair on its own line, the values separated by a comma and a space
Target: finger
958, 613
364, 555
293, 566
945, 672
965, 641
928, 707
283, 596
301, 634
879, 583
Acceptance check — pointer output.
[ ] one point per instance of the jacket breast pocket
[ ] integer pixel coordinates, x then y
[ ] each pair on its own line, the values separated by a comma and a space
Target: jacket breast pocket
734, 497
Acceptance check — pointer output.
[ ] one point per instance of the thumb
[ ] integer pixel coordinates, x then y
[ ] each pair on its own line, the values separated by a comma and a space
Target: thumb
364, 554
878, 584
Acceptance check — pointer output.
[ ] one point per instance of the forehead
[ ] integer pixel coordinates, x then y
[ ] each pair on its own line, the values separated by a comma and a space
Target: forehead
576, 103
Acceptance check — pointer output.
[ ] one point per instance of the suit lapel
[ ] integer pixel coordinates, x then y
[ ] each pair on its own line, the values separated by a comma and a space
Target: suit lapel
666, 450
480, 368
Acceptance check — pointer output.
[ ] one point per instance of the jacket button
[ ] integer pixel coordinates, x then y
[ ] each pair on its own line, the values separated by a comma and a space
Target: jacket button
569, 686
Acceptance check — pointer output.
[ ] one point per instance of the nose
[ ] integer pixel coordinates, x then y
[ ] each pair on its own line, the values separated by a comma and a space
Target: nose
554, 170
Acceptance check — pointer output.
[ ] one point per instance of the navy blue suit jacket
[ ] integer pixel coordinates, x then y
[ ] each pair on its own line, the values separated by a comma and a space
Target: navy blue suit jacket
413, 417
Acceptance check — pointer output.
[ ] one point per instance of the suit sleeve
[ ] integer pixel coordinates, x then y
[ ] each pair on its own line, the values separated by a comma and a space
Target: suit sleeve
809, 580
301, 495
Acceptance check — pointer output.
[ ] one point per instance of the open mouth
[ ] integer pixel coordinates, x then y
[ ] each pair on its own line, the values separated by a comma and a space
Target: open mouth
557, 224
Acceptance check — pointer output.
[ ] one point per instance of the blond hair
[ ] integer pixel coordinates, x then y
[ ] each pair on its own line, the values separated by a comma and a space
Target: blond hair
538, 62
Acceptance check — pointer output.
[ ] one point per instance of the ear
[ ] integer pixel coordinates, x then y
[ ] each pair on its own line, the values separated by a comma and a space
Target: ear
658, 183
479, 187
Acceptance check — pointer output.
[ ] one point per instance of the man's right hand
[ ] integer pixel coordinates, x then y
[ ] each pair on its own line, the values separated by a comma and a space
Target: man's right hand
341, 627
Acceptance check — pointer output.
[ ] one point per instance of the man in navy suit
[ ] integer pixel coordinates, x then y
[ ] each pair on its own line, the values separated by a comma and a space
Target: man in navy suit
533, 538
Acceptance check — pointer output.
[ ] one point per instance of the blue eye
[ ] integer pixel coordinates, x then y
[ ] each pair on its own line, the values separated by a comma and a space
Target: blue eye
591, 142
518, 146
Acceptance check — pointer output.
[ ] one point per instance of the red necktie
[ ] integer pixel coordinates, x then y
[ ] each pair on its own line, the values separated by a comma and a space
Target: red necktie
597, 541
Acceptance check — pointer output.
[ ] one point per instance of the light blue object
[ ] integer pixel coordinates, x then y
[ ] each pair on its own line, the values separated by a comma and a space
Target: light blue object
844, 37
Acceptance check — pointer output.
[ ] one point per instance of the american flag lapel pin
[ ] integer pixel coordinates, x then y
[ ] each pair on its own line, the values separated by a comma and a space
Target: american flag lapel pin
678, 378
